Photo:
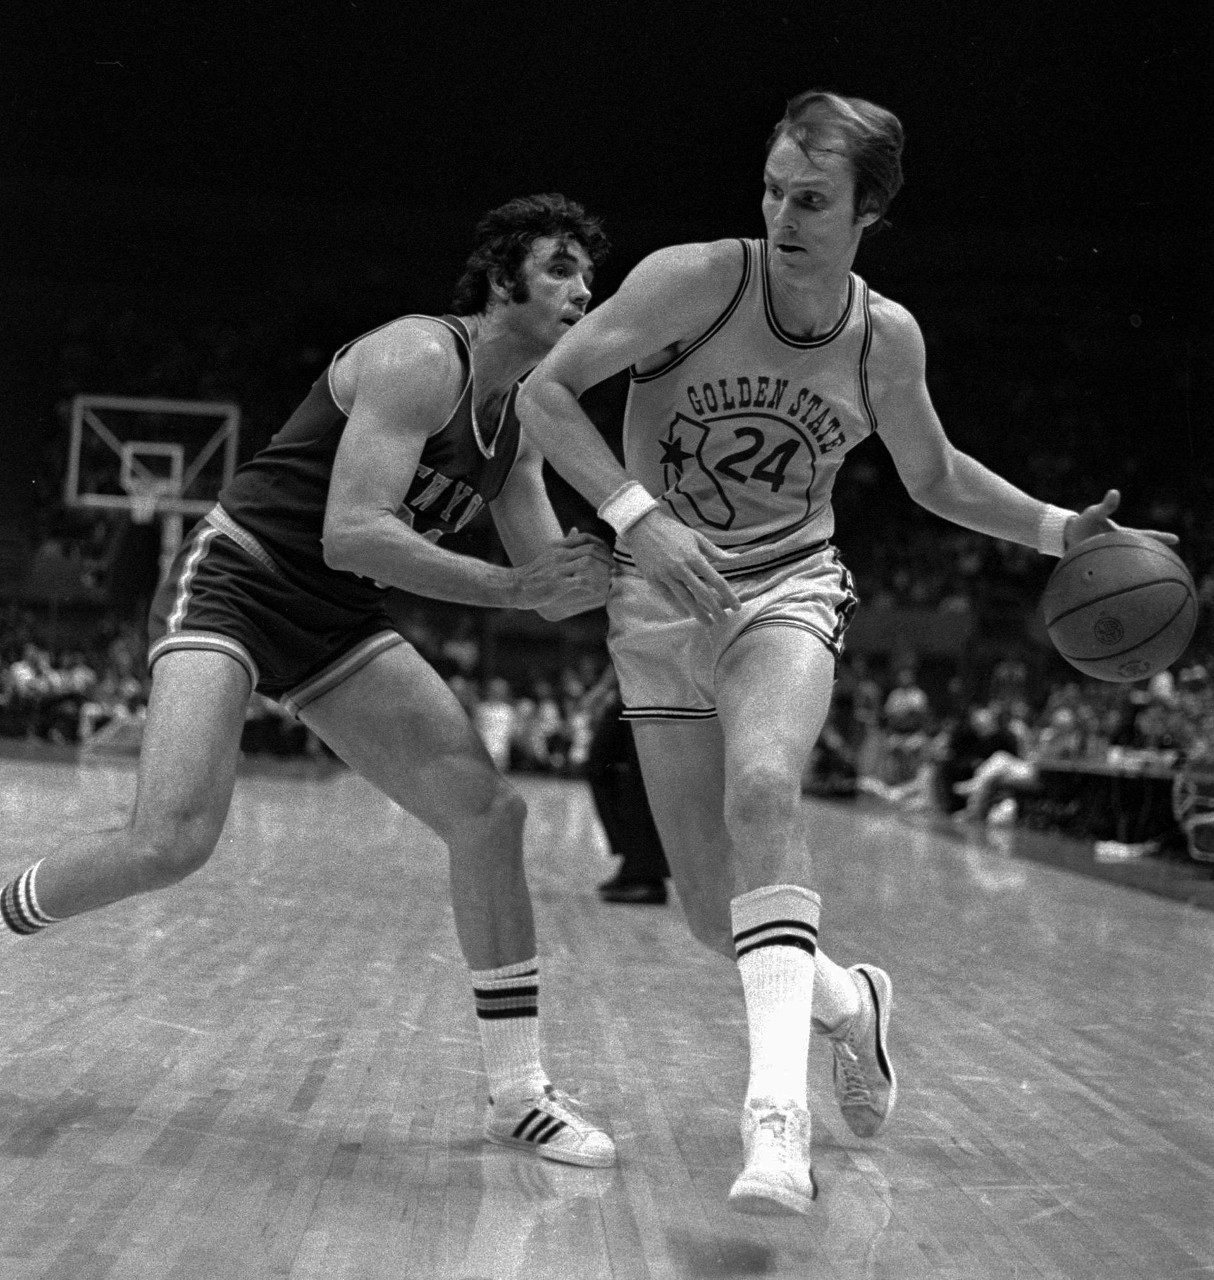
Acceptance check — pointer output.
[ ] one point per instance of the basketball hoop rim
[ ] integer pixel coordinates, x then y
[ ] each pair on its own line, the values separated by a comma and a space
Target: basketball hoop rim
146, 494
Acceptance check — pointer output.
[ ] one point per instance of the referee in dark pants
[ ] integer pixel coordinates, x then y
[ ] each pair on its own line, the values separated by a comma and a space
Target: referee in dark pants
614, 774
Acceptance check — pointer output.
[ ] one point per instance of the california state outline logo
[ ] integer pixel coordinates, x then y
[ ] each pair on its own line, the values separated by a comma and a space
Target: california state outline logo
736, 470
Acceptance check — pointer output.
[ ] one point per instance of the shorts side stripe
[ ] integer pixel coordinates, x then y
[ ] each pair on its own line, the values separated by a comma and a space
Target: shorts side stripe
181, 600
832, 642
342, 669
845, 610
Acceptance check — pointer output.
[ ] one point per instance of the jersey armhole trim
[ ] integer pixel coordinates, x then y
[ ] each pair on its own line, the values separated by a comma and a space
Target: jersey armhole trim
448, 322
717, 325
865, 348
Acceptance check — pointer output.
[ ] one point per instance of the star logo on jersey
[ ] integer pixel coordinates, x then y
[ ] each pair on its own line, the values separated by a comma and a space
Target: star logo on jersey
673, 453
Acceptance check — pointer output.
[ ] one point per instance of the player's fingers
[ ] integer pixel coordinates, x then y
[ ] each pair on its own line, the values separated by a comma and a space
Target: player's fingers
706, 607
1168, 539
681, 592
706, 600
719, 555
722, 593
1110, 502
587, 542
588, 554
576, 538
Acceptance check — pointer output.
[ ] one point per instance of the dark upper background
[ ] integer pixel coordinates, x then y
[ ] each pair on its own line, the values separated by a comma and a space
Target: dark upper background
277, 178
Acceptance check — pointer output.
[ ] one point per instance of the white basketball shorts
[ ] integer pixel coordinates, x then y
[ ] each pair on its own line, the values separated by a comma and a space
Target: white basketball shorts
666, 659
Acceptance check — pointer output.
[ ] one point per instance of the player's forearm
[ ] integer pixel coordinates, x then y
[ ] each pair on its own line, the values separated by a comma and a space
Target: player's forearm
385, 550
971, 495
552, 417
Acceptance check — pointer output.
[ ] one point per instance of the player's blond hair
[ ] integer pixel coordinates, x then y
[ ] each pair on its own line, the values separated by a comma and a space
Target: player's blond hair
816, 120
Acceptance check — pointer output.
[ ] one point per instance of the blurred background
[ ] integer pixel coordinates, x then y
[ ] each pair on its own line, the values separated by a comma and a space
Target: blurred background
203, 201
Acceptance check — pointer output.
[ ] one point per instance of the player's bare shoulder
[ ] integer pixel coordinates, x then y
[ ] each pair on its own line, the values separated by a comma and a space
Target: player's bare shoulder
692, 284
414, 358
897, 356
704, 272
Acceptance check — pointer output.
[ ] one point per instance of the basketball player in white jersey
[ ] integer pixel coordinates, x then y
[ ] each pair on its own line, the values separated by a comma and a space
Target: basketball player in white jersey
756, 365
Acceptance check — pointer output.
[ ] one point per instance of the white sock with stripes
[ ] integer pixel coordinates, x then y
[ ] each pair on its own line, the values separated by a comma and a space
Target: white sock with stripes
775, 937
507, 1015
19, 908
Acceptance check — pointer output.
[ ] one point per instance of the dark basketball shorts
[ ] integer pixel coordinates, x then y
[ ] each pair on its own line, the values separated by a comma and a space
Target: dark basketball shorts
225, 593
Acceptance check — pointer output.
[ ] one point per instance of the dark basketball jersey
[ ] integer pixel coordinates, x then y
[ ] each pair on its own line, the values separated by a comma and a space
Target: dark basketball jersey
278, 496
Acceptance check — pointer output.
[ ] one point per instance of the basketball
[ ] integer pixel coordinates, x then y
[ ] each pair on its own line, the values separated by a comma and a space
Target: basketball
1120, 606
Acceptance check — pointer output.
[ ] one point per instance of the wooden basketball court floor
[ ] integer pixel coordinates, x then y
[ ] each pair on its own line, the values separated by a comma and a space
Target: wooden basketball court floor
272, 1071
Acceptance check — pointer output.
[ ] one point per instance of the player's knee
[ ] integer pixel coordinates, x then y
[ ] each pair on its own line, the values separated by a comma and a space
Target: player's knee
172, 847
507, 812
761, 794
489, 812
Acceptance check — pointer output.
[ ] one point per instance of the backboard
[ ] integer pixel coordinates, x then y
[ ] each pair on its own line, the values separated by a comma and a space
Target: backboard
129, 451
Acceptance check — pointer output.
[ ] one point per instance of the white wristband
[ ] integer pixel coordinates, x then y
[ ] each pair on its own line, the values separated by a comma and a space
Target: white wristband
626, 506
1051, 532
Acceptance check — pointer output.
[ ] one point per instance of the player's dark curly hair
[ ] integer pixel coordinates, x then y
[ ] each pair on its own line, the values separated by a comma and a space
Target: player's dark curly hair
504, 237
872, 135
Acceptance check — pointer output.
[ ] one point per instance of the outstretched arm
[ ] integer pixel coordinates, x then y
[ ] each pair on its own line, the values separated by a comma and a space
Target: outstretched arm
948, 482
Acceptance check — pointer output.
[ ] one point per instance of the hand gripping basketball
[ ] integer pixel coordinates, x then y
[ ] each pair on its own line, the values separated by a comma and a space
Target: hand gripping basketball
1120, 606
1098, 519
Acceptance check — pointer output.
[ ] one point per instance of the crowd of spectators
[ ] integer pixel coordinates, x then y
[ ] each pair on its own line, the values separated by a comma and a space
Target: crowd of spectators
68, 695
978, 760
883, 727
92, 694
972, 752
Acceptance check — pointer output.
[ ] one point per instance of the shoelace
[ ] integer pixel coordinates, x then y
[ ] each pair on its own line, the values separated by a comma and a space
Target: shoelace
563, 1104
856, 1091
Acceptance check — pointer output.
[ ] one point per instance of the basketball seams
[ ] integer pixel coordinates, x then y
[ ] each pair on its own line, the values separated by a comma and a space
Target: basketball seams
1113, 595
1138, 644
1149, 546
1095, 610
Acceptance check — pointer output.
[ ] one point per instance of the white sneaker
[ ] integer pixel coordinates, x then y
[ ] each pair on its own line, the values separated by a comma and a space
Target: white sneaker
777, 1177
549, 1125
865, 1085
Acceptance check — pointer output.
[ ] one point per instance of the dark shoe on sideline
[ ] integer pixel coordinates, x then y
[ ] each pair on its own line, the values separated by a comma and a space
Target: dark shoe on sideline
637, 892
615, 882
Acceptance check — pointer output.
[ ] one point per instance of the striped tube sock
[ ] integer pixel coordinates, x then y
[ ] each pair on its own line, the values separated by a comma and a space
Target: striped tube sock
507, 1013
775, 936
19, 907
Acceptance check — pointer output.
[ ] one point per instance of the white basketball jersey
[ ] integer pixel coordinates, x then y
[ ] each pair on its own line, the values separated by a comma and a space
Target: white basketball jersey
742, 432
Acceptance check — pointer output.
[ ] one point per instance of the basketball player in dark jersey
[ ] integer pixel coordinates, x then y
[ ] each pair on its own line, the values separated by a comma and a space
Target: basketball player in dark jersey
409, 432
756, 366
